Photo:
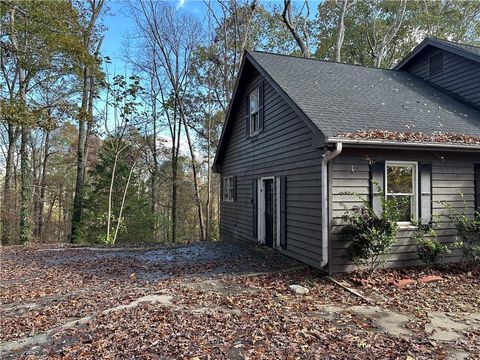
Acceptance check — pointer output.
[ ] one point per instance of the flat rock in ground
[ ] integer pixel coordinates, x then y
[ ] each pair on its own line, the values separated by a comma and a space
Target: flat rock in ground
443, 328
298, 289
387, 321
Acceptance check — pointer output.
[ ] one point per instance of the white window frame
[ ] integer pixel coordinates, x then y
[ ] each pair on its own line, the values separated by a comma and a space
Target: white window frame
414, 210
253, 112
228, 191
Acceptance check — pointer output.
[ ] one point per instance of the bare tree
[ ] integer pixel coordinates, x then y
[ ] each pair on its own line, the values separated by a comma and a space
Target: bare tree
380, 37
173, 38
287, 18
233, 23
343, 6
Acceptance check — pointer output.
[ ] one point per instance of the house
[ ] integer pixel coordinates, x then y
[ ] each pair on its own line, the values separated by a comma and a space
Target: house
300, 134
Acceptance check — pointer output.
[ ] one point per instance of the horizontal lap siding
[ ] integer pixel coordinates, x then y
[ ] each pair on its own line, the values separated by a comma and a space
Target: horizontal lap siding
452, 176
461, 76
283, 148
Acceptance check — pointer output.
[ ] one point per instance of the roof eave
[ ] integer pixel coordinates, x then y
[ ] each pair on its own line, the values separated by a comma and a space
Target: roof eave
404, 145
216, 166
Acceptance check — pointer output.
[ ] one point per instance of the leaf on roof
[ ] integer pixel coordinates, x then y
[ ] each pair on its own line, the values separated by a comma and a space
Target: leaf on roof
439, 137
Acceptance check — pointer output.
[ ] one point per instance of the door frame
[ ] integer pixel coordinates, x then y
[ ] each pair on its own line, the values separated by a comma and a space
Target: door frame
261, 210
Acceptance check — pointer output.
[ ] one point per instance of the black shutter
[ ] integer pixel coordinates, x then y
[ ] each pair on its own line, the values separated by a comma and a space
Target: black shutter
254, 209
247, 116
283, 212
377, 185
425, 189
260, 107
221, 188
234, 184
477, 187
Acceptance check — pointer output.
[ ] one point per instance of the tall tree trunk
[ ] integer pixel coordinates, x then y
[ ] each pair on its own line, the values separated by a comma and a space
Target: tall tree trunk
341, 31
79, 184
24, 168
287, 17
43, 184
154, 179
110, 195
91, 99
119, 219
175, 152
209, 186
195, 175
154, 154
24, 187
8, 193
96, 8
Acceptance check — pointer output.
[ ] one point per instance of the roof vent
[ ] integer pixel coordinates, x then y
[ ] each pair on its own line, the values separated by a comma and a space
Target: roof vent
436, 64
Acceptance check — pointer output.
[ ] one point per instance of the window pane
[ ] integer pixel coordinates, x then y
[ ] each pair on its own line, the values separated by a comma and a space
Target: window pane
226, 186
254, 125
254, 101
403, 203
400, 179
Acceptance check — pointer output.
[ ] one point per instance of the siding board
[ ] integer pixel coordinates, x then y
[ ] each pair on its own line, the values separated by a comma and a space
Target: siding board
283, 148
460, 76
452, 176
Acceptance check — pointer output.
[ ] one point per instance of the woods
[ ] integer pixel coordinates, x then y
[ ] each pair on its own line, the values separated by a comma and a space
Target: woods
95, 152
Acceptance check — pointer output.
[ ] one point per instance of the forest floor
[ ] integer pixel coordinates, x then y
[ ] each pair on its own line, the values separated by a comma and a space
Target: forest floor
225, 300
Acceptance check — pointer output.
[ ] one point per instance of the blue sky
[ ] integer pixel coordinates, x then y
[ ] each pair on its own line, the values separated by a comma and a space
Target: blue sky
119, 24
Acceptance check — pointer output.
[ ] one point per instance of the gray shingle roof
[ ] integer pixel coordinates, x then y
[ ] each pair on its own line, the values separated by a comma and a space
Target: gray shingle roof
342, 98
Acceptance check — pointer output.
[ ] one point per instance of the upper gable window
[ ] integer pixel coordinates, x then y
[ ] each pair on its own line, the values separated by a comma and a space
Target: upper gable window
254, 111
436, 64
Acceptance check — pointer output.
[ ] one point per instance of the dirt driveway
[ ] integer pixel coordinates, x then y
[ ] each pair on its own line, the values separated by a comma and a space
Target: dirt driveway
208, 300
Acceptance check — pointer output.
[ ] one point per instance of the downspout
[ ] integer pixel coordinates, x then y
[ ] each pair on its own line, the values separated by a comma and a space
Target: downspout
327, 157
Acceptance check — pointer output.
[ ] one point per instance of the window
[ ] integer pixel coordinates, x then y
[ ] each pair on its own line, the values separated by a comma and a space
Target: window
401, 185
228, 188
254, 111
436, 64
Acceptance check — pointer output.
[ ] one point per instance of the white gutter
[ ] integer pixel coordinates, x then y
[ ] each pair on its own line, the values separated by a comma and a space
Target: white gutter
328, 156
461, 147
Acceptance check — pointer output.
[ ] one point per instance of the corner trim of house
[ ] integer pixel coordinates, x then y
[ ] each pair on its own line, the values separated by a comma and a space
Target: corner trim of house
327, 157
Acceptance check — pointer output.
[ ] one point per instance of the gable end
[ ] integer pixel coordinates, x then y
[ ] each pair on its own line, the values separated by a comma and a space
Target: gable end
318, 138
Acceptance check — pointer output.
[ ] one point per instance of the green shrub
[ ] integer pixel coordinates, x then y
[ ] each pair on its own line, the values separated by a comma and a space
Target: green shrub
430, 250
468, 232
371, 235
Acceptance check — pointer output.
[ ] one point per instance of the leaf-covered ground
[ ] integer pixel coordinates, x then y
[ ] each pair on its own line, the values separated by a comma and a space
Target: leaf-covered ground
215, 300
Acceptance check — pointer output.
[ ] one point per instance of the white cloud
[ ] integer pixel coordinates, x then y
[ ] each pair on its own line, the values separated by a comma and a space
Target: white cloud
180, 4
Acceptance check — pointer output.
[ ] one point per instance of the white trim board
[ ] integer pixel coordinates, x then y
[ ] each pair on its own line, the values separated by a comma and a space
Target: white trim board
261, 209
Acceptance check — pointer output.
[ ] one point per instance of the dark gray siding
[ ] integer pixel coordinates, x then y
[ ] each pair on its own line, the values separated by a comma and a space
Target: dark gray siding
460, 76
452, 174
283, 148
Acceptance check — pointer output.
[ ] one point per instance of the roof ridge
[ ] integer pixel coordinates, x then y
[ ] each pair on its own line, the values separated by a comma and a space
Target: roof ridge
320, 60
453, 42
